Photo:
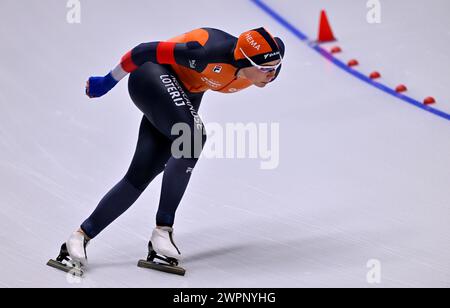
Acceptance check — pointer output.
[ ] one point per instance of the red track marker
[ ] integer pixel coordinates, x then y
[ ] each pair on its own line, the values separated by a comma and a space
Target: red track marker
352, 63
429, 101
401, 88
375, 75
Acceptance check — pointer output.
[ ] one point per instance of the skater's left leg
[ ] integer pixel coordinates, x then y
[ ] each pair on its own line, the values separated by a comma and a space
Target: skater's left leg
178, 170
177, 175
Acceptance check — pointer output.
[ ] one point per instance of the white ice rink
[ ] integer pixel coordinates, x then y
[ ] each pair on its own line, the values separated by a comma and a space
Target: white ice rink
362, 175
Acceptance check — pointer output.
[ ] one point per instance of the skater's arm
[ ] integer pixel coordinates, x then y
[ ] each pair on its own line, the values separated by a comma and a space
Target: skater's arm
191, 55
185, 54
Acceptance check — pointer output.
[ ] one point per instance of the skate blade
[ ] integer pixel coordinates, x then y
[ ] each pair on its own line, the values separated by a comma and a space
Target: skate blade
162, 267
78, 272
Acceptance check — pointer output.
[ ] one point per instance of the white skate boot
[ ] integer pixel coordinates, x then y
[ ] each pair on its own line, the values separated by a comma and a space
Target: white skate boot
72, 257
162, 247
76, 247
163, 243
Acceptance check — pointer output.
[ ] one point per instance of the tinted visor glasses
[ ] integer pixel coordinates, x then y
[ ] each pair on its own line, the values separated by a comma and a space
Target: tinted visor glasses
262, 68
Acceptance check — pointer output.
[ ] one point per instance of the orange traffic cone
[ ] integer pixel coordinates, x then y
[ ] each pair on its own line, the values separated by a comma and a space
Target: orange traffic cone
325, 32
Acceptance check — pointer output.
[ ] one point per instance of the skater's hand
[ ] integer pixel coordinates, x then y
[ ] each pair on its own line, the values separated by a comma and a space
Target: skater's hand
99, 86
87, 89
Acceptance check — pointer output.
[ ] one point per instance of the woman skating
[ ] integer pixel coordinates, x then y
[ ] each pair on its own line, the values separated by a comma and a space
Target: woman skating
167, 82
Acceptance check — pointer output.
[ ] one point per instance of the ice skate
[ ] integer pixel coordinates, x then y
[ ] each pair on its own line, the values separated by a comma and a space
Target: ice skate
163, 249
72, 256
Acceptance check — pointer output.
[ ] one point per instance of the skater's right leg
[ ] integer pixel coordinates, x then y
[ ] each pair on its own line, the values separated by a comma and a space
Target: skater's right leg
152, 152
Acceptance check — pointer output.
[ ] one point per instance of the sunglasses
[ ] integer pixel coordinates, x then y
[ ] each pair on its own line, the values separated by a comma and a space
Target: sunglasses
262, 68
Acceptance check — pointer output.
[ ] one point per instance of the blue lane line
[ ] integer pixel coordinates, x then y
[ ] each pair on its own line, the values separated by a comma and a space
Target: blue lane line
304, 38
